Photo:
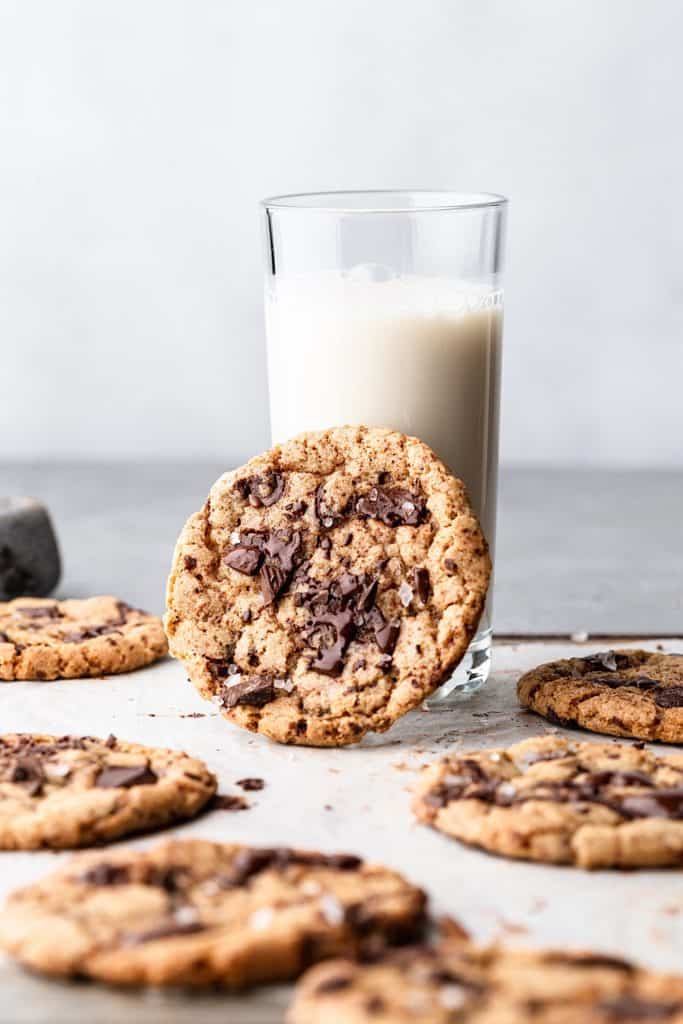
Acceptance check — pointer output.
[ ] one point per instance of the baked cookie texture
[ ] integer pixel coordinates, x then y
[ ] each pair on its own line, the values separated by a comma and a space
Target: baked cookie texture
620, 693
44, 639
328, 586
197, 913
593, 805
462, 983
69, 791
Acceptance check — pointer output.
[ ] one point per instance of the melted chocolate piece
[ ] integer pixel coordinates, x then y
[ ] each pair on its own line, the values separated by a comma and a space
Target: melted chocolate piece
669, 696
273, 580
244, 559
629, 1007
221, 668
283, 548
106, 874
39, 611
393, 507
255, 691
334, 984
661, 803
88, 633
386, 633
250, 862
262, 490
422, 584
125, 776
616, 682
325, 516
606, 659
165, 930
26, 772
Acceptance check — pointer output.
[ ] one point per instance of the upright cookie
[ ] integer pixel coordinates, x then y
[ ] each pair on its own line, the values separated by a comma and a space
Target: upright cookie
595, 805
43, 639
199, 913
68, 791
328, 586
621, 693
462, 983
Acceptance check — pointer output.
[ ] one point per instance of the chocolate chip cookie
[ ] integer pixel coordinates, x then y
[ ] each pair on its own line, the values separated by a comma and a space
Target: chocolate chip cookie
462, 983
328, 586
594, 805
68, 791
621, 693
199, 913
43, 639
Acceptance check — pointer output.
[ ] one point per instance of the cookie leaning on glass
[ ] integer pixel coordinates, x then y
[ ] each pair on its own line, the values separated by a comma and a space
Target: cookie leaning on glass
328, 586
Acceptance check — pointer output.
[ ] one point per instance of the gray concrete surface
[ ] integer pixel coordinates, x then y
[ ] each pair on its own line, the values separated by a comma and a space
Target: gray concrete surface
578, 550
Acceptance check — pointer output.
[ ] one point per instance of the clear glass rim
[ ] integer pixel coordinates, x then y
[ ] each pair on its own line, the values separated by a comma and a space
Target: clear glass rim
388, 200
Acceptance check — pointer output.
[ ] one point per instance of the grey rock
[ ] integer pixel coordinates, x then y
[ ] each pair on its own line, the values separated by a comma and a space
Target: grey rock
29, 556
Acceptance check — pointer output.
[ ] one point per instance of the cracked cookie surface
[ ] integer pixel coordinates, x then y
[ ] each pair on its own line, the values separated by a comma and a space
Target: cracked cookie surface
594, 805
200, 913
455, 982
328, 586
43, 639
68, 791
620, 693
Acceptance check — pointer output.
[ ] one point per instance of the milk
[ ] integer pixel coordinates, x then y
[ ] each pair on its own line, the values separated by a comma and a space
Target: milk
418, 354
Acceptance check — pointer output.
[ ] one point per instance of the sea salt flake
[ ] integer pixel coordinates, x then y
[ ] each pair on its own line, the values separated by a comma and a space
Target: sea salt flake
185, 915
452, 997
507, 790
261, 918
405, 594
235, 537
331, 909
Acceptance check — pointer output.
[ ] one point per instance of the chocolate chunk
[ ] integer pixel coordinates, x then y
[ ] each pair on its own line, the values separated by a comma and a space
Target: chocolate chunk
243, 559
268, 488
422, 584
616, 681
221, 668
88, 633
165, 930
632, 1008
450, 565
125, 776
190, 563
325, 516
606, 659
249, 862
618, 778
273, 581
661, 803
386, 633
334, 984
255, 691
283, 548
262, 490
251, 785
296, 508
669, 696
39, 611
106, 874
26, 772
227, 802
394, 507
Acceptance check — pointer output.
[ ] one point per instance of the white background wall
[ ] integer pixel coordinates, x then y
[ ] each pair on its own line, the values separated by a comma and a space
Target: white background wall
136, 137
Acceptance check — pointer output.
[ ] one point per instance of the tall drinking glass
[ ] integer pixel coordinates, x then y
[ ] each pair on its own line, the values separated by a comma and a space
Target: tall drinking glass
385, 309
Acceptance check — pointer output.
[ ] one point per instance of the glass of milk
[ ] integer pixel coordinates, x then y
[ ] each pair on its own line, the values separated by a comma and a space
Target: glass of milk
385, 308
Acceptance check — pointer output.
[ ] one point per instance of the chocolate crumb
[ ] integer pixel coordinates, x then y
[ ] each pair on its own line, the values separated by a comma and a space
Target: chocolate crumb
250, 785
226, 802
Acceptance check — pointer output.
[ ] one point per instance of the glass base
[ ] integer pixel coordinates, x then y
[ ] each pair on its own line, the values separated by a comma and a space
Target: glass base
469, 676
